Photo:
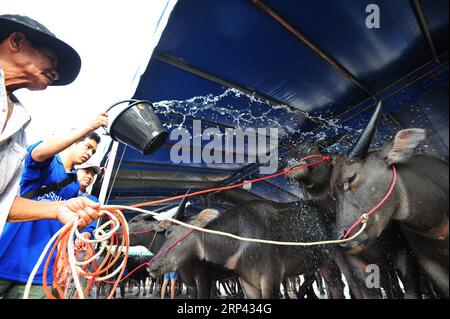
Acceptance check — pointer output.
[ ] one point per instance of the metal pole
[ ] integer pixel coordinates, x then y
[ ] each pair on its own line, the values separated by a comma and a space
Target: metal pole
107, 177
424, 28
108, 172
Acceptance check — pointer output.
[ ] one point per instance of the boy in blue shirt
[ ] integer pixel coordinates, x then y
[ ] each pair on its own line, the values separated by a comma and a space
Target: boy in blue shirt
47, 164
86, 175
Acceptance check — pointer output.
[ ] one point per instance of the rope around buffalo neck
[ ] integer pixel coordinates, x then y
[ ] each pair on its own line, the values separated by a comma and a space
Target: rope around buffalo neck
364, 217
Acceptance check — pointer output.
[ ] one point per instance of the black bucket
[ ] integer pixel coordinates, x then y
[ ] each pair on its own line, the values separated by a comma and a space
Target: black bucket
136, 125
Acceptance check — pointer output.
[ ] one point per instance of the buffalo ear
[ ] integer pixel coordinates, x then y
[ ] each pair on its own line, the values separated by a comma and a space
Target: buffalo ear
162, 226
403, 146
205, 216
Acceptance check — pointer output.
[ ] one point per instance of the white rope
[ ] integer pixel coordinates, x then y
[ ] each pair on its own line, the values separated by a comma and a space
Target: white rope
102, 239
272, 242
26, 292
100, 236
72, 260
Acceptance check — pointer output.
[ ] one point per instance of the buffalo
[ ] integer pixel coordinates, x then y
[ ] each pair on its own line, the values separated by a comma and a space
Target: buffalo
391, 251
199, 277
261, 266
418, 203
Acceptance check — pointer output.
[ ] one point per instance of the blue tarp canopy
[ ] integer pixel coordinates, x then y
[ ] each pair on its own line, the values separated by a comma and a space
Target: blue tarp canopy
312, 69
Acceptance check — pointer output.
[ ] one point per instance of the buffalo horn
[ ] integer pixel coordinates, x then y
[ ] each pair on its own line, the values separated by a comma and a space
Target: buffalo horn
359, 151
181, 209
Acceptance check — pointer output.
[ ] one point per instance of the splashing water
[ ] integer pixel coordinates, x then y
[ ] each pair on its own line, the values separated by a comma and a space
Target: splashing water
226, 106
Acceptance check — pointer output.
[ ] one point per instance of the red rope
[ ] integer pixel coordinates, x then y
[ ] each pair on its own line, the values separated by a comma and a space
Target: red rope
154, 257
322, 159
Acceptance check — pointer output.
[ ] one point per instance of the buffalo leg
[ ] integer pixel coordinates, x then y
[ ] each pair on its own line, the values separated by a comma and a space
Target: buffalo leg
438, 276
143, 286
304, 287
270, 285
285, 288
138, 284
387, 281
332, 277
152, 285
354, 272
409, 272
319, 283
250, 291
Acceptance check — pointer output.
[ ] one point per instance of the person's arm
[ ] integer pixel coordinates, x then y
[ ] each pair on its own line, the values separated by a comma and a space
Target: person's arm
27, 210
55, 145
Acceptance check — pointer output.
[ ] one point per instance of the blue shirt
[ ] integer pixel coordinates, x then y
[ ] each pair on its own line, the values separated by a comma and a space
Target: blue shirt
22, 243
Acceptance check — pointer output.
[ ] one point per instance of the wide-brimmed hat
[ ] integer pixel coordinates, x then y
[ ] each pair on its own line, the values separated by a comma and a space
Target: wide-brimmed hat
69, 62
88, 165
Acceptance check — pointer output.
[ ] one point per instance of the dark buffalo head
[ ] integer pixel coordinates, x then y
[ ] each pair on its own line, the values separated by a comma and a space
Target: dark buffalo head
144, 227
316, 178
361, 179
186, 249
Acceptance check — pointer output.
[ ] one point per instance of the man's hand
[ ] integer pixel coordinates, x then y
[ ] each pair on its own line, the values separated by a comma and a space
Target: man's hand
100, 120
87, 211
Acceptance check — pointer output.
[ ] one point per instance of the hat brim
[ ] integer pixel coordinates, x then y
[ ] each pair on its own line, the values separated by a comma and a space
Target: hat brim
97, 170
69, 62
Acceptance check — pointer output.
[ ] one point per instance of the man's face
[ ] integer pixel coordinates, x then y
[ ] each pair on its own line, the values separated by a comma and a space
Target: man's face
82, 151
85, 177
37, 66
